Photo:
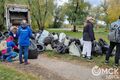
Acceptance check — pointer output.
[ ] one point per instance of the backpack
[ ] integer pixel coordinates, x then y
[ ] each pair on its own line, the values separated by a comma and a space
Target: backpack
114, 34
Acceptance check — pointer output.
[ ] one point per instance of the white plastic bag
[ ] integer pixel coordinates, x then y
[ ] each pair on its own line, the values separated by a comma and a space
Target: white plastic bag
62, 37
73, 49
43, 36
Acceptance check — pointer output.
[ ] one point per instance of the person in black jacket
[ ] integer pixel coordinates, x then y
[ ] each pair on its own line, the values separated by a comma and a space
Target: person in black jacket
88, 37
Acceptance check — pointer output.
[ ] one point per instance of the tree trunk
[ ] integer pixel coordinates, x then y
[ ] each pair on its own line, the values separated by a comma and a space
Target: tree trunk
74, 28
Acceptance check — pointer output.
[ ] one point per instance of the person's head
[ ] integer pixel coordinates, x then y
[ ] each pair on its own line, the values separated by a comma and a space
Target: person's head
24, 21
90, 19
13, 29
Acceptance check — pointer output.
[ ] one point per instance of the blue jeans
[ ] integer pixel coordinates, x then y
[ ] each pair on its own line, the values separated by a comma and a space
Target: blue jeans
8, 57
23, 50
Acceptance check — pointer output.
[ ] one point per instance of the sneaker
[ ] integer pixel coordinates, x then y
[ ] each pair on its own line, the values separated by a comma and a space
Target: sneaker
21, 62
106, 61
83, 56
89, 58
116, 65
26, 63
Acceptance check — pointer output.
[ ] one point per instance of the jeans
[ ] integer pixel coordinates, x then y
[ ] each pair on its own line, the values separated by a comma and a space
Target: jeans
23, 49
8, 57
117, 54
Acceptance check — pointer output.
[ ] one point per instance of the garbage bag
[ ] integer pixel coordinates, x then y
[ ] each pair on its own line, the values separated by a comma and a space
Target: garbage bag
74, 50
48, 40
104, 45
49, 47
6, 34
1, 36
40, 47
55, 36
3, 45
81, 41
61, 48
96, 48
55, 43
42, 36
66, 42
62, 37
33, 53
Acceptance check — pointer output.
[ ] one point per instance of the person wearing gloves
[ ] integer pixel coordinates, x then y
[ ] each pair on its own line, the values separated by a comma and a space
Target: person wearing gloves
24, 35
88, 38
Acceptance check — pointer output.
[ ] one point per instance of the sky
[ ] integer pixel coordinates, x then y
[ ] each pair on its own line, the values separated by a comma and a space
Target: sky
92, 2
95, 2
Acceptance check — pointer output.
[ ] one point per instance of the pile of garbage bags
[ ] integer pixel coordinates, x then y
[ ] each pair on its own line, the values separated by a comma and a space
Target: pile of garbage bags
61, 43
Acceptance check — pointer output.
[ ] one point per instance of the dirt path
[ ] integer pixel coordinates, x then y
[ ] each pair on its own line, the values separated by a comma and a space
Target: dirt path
65, 69
52, 69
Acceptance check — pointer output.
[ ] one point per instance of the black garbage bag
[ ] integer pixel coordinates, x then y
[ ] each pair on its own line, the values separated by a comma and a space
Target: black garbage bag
96, 49
48, 40
55, 43
61, 48
1, 36
104, 45
33, 53
6, 34
40, 47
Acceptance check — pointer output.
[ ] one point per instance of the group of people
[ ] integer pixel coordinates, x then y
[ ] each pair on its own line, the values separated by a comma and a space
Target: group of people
114, 37
17, 41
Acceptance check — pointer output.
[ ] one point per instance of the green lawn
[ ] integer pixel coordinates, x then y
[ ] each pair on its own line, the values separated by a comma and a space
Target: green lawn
12, 74
99, 33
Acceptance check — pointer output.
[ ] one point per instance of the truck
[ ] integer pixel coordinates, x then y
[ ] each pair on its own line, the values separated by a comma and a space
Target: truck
15, 13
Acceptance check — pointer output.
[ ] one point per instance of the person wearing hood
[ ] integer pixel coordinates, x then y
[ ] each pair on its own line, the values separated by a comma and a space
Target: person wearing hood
88, 38
24, 35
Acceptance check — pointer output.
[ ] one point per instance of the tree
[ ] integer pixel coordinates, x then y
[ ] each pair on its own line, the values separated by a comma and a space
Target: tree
76, 12
41, 11
113, 10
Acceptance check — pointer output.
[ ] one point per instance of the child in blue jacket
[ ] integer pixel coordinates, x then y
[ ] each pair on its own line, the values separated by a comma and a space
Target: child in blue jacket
24, 34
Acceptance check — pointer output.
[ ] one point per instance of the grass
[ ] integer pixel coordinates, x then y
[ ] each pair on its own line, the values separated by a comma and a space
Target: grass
7, 73
99, 33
